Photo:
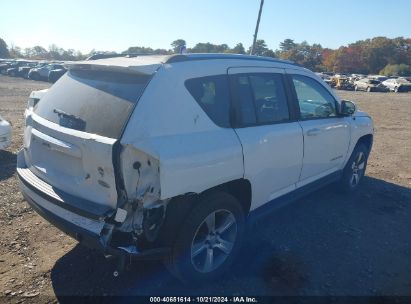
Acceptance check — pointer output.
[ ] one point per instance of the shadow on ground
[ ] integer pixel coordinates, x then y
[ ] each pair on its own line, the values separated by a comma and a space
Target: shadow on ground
324, 244
7, 164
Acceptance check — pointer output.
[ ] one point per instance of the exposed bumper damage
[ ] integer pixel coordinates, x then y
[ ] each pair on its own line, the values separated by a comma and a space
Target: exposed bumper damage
127, 231
142, 213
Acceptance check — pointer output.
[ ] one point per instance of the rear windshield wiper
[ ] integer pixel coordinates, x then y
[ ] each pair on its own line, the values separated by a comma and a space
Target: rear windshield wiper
70, 120
65, 114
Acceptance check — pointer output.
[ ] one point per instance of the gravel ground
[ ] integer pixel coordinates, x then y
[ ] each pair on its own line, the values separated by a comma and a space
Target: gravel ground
324, 244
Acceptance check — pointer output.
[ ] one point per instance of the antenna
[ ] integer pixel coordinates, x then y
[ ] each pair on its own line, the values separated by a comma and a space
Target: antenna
256, 27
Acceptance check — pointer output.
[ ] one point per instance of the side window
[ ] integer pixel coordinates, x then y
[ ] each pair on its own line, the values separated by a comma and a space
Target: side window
211, 93
314, 100
243, 100
260, 98
269, 98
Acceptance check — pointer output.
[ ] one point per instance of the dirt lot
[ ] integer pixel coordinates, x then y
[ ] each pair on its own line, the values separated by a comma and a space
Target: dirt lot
324, 244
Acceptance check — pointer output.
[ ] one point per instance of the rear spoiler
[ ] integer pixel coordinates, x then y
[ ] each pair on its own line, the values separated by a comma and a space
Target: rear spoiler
115, 65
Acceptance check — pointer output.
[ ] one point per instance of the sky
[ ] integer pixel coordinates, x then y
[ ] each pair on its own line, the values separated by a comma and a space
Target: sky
115, 25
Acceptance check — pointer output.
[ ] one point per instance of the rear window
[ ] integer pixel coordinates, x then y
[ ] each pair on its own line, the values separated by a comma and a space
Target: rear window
259, 98
92, 101
212, 95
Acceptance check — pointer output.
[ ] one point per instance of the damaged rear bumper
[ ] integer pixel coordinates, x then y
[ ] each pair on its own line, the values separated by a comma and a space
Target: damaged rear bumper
80, 221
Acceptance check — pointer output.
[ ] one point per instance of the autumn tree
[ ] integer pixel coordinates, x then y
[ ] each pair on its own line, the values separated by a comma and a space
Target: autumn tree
177, 45
4, 51
145, 51
396, 70
261, 49
208, 47
287, 45
238, 49
15, 51
379, 54
328, 60
302, 53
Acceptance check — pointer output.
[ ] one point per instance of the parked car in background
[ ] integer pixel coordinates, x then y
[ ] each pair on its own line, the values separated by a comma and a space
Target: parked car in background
4, 65
108, 159
355, 77
342, 83
327, 78
359, 76
342, 75
369, 85
12, 70
378, 77
55, 74
5, 134
398, 84
24, 70
42, 72
21, 70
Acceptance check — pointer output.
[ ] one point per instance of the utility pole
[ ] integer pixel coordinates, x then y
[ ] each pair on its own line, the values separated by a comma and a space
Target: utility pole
256, 27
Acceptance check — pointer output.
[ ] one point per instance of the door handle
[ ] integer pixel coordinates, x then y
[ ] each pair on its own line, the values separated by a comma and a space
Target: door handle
313, 132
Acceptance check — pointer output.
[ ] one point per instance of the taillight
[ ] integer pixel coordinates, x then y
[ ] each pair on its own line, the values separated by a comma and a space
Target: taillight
32, 102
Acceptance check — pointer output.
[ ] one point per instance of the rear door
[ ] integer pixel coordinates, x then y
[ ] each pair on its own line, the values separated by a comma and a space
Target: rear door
71, 132
272, 140
326, 134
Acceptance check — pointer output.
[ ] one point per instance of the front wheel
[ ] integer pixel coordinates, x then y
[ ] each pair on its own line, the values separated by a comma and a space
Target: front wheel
368, 89
396, 89
208, 240
354, 170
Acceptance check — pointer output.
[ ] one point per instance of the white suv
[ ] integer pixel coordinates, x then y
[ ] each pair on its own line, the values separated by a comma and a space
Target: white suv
169, 156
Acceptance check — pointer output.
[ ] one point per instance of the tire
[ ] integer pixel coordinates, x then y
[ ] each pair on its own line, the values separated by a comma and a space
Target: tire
356, 88
396, 89
355, 168
201, 253
368, 89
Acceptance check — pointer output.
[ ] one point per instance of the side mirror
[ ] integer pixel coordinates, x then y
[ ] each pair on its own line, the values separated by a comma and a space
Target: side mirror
347, 107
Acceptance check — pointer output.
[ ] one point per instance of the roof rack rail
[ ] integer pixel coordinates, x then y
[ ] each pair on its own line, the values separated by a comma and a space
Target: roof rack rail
211, 56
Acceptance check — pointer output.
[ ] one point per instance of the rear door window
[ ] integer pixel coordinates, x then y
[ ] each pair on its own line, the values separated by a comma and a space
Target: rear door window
212, 94
97, 102
242, 96
259, 98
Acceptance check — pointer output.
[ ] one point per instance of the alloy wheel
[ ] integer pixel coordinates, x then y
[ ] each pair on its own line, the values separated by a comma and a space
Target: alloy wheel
358, 167
213, 241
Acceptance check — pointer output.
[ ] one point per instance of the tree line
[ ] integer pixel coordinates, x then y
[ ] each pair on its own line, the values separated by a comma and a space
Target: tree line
371, 56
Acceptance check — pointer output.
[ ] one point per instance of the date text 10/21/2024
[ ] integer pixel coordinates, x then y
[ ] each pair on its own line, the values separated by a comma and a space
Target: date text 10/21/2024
235, 299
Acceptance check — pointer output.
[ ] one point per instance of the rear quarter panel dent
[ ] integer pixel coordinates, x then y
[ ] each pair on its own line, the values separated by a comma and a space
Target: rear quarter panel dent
192, 162
194, 154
